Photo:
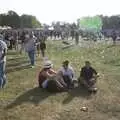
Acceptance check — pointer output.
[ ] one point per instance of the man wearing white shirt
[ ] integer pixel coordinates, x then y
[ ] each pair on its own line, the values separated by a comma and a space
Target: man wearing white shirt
67, 73
3, 51
30, 48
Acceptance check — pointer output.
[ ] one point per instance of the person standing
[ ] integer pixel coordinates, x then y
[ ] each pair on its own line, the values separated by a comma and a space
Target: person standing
77, 37
22, 38
114, 37
30, 48
72, 34
38, 39
3, 51
11, 39
43, 47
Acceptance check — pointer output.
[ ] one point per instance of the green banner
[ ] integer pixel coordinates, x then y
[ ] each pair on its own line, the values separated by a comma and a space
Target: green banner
91, 23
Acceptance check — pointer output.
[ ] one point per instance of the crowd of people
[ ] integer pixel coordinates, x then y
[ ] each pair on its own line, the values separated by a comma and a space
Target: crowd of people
32, 41
54, 81
35, 40
27, 42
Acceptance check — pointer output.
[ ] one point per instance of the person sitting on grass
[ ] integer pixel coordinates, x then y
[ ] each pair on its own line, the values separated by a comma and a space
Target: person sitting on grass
88, 77
48, 79
66, 73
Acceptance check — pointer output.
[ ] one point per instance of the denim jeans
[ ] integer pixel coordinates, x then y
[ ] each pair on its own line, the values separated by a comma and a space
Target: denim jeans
67, 80
2, 74
31, 55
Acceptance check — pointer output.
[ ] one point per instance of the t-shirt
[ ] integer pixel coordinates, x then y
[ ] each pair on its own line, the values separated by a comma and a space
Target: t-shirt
3, 46
68, 72
30, 45
87, 73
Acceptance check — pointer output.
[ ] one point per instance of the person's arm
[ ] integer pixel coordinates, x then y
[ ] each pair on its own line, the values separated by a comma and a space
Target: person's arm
82, 73
60, 78
73, 73
49, 75
4, 51
52, 71
95, 73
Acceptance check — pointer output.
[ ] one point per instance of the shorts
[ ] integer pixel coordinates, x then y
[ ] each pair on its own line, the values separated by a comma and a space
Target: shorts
45, 84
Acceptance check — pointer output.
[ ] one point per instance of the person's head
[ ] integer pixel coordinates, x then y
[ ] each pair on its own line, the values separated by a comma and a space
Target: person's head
48, 64
66, 64
87, 64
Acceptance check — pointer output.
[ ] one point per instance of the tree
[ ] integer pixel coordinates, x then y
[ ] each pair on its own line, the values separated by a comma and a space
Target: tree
13, 19
35, 22
3, 20
26, 21
29, 21
112, 22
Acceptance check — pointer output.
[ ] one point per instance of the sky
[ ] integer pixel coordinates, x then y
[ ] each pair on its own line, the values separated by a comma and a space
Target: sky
47, 11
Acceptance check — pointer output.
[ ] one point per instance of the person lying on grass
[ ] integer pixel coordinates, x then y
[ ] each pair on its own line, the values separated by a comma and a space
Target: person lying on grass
48, 79
66, 73
88, 77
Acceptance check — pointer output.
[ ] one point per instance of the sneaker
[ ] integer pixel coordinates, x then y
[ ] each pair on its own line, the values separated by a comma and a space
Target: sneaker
32, 66
93, 90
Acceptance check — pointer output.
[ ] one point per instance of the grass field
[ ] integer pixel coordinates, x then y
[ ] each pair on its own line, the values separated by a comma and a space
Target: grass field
22, 100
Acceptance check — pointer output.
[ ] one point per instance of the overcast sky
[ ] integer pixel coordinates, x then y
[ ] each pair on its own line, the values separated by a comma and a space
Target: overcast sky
61, 10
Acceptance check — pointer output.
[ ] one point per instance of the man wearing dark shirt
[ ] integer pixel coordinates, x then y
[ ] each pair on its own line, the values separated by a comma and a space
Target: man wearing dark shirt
114, 37
43, 47
88, 76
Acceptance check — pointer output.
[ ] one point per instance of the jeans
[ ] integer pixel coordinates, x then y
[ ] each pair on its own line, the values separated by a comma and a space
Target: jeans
2, 74
31, 55
67, 80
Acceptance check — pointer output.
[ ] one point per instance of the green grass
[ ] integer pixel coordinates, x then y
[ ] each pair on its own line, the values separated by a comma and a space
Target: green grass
22, 100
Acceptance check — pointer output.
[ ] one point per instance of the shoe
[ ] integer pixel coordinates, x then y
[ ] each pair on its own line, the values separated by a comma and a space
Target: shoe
32, 66
93, 90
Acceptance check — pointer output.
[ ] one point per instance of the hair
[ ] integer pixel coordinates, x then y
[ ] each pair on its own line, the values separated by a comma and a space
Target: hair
66, 62
87, 62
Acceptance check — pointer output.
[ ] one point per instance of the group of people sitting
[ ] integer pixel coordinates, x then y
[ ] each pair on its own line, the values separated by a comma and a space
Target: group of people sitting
64, 79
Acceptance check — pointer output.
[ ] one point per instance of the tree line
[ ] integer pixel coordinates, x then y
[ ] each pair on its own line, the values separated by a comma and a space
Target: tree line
111, 22
13, 20
107, 22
